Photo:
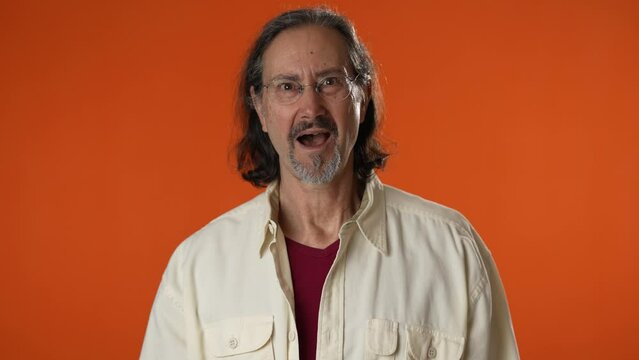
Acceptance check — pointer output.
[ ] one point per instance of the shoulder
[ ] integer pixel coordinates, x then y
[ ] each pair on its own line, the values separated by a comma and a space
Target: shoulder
246, 212
436, 230
411, 205
237, 228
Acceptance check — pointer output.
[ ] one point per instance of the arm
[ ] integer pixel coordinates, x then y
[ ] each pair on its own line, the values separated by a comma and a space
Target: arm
165, 333
490, 331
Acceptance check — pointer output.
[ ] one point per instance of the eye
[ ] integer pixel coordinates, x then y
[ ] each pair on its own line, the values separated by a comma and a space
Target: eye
330, 81
285, 86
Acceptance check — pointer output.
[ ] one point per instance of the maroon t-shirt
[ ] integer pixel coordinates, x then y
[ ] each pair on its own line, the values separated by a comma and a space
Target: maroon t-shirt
309, 267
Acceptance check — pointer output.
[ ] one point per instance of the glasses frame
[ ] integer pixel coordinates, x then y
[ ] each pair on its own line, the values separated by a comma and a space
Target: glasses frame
316, 86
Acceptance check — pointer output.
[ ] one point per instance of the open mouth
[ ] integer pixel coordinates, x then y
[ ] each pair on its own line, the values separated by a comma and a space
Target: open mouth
313, 139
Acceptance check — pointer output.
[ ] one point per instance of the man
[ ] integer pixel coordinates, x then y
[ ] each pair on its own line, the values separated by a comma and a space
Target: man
328, 263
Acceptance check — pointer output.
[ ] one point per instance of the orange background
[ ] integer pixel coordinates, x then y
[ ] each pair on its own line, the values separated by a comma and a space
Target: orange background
115, 125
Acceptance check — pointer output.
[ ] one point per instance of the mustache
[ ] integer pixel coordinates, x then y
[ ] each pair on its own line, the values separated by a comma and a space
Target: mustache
320, 122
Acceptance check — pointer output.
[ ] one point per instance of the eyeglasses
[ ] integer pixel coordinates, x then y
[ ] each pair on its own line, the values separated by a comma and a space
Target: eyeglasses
335, 88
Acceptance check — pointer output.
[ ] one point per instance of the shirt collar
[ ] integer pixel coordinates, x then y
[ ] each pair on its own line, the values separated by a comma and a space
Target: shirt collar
370, 217
271, 199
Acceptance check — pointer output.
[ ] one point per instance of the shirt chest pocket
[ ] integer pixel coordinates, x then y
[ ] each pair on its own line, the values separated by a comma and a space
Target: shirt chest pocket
421, 343
381, 339
240, 338
426, 343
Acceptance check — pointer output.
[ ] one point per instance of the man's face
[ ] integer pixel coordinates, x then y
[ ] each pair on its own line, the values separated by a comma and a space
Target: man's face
313, 136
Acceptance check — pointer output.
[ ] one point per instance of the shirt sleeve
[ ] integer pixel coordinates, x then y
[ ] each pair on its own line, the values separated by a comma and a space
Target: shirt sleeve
165, 333
490, 332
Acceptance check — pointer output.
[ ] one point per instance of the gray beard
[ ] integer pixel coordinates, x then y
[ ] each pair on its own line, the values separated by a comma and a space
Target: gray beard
320, 171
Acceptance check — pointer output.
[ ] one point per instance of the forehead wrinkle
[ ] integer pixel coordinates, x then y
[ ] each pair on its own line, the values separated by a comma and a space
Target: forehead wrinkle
317, 74
309, 49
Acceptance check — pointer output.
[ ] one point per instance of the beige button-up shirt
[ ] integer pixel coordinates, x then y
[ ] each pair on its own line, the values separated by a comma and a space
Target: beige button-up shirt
411, 280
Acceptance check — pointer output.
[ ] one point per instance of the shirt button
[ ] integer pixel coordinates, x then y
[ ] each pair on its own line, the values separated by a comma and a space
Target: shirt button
432, 352
291, 336
233, 343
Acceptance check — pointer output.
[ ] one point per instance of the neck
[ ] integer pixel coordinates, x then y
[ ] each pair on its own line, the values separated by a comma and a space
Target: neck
313, 214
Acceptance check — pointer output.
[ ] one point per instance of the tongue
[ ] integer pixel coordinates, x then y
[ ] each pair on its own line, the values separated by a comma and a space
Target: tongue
314, 140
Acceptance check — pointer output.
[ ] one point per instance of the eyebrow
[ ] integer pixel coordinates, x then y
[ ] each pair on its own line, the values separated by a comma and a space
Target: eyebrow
331, 71
320, 74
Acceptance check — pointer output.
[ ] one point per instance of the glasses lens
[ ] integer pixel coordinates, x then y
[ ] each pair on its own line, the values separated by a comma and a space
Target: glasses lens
336, 88
285, 91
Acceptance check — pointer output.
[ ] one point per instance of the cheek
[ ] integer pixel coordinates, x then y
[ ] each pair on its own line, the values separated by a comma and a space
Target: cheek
278, 123
268, 123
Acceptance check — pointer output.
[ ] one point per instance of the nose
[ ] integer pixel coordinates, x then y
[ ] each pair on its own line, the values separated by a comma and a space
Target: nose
311, 104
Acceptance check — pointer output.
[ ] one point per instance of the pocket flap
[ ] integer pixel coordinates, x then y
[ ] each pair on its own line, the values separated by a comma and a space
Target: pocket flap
238, 335
426, 343
381, 337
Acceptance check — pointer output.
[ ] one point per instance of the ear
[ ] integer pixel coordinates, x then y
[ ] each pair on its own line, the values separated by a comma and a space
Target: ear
365, 93
257, 105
